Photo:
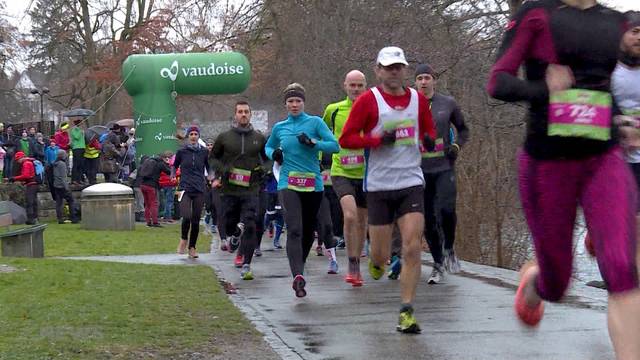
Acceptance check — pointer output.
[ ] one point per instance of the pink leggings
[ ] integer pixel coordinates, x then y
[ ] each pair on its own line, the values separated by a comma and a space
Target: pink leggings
551, 190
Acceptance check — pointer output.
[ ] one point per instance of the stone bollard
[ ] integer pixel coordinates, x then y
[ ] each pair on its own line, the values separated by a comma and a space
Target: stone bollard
108, 206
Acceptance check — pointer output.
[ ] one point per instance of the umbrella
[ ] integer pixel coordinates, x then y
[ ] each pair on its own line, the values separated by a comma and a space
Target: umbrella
127, 123
18, 214
79, 112
94, 131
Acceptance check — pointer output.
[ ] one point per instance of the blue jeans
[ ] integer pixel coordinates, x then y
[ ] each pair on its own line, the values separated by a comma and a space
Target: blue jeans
167, 193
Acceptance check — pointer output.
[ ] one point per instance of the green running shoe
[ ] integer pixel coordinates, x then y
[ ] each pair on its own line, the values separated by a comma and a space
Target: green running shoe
407, 323
246, 273
375, 271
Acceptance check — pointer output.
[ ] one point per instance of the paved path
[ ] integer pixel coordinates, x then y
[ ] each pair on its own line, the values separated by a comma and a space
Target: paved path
469, 316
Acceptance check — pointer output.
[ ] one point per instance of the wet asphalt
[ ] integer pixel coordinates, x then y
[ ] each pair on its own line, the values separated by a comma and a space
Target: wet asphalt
467, 316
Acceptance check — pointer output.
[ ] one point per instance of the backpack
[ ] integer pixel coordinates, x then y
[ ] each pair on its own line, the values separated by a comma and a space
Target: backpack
146, 168
37, 164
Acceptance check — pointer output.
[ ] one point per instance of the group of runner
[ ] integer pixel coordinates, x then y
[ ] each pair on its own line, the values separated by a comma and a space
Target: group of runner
394, 149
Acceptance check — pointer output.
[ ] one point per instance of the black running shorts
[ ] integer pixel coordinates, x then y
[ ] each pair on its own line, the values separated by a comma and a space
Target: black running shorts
344, 186
386, 206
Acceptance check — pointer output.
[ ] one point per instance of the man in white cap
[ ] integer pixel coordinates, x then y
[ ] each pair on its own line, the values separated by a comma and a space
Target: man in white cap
390, 121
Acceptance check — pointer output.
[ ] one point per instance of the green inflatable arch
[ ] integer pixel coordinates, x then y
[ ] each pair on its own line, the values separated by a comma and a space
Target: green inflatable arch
154, 82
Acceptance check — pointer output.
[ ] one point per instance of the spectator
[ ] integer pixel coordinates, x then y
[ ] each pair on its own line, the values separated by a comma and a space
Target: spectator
150, 171
25, 144
77, 148
92, 159
61, 186
62, 136
112, 153
38, 148
10, 146
51, 152
167, 193
130, 155
28, 178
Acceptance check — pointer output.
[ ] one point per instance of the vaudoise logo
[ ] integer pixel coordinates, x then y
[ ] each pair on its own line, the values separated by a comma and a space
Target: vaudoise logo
211, 70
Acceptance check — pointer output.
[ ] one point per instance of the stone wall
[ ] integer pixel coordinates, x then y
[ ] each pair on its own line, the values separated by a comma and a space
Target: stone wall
46, 204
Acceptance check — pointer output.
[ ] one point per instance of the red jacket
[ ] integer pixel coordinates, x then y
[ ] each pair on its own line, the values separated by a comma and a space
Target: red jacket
62, 139
165, 180
27, 173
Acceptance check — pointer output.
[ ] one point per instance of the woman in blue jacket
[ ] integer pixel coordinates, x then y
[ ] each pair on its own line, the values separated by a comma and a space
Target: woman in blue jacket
294, 143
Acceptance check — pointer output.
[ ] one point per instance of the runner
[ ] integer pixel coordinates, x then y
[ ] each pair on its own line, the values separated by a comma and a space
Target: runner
273, 218
570, 49
438, 167
192, 162
391, 121
294, 143
347, 171
626, 91
325, 222
238, 155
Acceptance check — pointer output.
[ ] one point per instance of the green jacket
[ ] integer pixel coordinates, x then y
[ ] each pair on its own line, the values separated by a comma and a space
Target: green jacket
335, 116
77, 138
238, 158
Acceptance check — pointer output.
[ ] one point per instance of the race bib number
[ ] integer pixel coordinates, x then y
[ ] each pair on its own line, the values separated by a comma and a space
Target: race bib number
580, 113
405, 131
438, 151
240, 177
351, 161
300, 181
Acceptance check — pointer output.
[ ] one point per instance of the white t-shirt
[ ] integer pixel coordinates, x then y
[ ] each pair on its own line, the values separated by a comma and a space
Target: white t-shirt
625, 84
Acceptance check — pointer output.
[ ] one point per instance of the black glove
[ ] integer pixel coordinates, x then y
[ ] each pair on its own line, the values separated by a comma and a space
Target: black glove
428, 142
389, 137
277, 156
452, 151
305, 140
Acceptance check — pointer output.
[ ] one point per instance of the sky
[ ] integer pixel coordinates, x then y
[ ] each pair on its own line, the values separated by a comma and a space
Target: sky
16, 10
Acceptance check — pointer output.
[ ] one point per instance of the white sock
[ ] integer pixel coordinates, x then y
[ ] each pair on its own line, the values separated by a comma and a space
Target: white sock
332, 253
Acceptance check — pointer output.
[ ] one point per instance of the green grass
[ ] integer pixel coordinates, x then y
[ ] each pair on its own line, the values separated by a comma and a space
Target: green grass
72, 240
68, 309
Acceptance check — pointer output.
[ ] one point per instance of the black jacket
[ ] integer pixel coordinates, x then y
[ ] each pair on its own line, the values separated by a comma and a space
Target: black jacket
192, 161
159, 167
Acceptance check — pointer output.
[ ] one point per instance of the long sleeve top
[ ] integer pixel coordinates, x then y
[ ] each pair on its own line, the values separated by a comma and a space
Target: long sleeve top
298, 157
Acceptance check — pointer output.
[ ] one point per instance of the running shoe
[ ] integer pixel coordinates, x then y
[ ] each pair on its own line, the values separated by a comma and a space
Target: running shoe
258, 252
340, 244
530, 316
407, 323
437, 274
588, 245
375, 271
224, 245
319, 250
298, 286
395, 268
451, 263
238, 261
354, 279
214, 229
333, 267
246, 273
234, 243
276, 244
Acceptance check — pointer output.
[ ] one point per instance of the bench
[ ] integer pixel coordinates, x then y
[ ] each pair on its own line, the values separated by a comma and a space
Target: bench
23, 242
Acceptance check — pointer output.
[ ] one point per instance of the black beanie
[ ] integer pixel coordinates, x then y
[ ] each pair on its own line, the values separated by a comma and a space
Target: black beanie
423, 69
633, 18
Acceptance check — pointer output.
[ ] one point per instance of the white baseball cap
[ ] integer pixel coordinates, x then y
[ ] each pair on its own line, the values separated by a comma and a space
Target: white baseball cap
391, 55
